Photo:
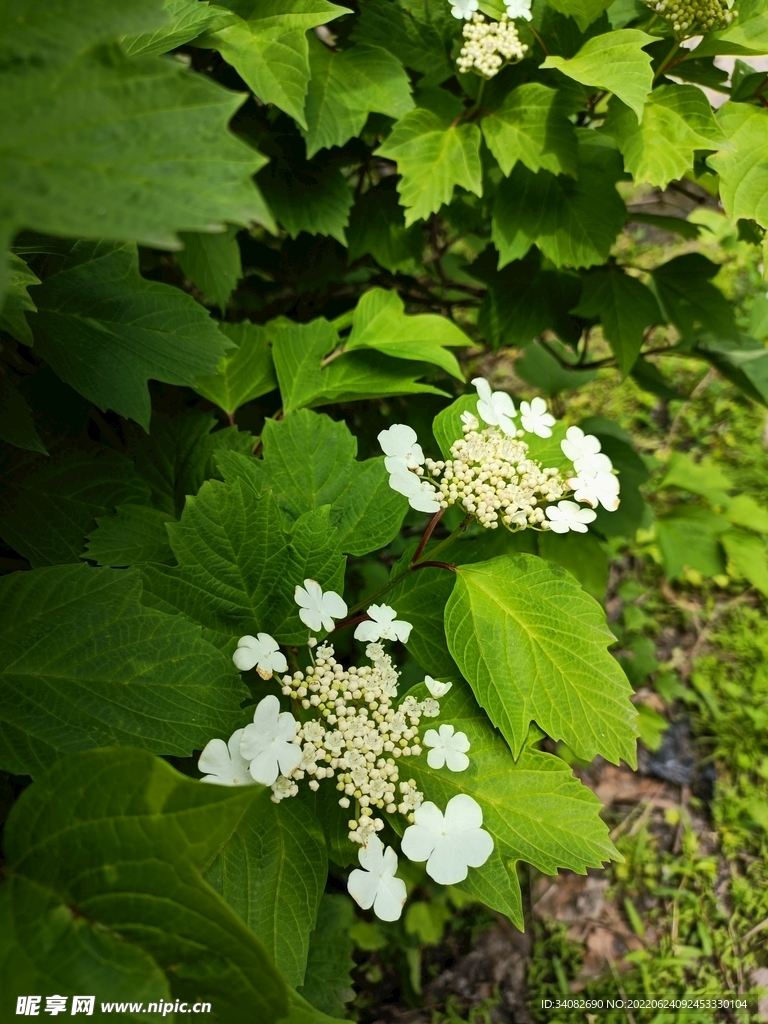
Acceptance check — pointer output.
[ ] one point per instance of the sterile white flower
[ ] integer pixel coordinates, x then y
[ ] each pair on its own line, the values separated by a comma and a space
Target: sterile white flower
376, 884
401, 447
266, 743
536, 419
448, 748
261, 651
567, 515
224, 764
435, 687
463, 8
584, 452
600, 489
421, 495
383, 625
495, 407
450, 843
318, 608
519, 9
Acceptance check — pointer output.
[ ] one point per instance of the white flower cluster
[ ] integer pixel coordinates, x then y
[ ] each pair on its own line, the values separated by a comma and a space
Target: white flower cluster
358, 738
492, 477
488, 45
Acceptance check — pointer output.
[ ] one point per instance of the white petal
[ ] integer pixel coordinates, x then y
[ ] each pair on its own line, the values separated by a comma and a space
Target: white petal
398, 439
435, 687
334, 604
402, 630
264, 767
367, 631
423, 502
418, 842
277, 662
371, 856
249, 641
483, 388
266, 712
311, 618
446, 865
314, 590
215, 759
406, 483
462, 813
362, 886
382, 613
503, 404
436, 758
245, 658
289, 757
474, 847
456, 760
390, 898
431, 738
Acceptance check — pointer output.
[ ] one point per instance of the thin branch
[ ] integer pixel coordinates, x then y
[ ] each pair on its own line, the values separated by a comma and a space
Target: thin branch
427, 534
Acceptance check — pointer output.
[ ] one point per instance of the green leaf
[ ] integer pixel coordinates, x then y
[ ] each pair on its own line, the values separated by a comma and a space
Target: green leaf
676, 225
524, 299
533, 645
748, 555
742, 169
310, 461
245, 373
743, 361
583, 556
106, 331
299, 351
238, 565
178, 455
420, 599
380, 323
85, 664
572, 222
188, 19
409, 33
269, 49
745, 511
433, 155
134, 534
534, 808
447, 425
705, 478
532, 125
308, 198
748, 34
346, 86
583, 12
677, 121
328, 984
539, 367
212, 263
97, 145
16, 424
615, 61
17, 300
689, 536
272, 871
689, 300
377, 226
625, 307
48, 505
106, 895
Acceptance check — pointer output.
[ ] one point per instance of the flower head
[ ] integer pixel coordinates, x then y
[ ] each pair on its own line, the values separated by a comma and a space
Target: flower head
224, 764
463, 8
435, 687
519, 9
448, 748
261, 651
421, 495
382, 625
600, 489
450, 843
567, 515
318, 608
536, 419
495, 407
401, 447
376, 884
267, 742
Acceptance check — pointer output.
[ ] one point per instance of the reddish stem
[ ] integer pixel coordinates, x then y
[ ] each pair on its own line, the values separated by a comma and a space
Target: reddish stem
427, 534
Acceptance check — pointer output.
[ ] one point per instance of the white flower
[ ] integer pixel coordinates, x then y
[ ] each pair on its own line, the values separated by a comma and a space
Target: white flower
401, 448
536, 419
600, 489
430, 708
450, 843
435, 687
567, 515
469, 421
261, 650
448, 748
421, 495
584, 452
495, 407
463, 8
376, 885
317, 609
224, 764
266, 743
519, 9
383, 625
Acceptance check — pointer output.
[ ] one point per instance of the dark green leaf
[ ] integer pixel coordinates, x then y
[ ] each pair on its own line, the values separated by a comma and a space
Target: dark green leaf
245, 373
408, 33
239, 566
689, 300
377, 226
106, 331
539, 367
308, 198
420, 599
744, 361
674, 224
583, 12
532, 125
272, 871
212, 262
310, 461
187, 20
134, 534
17, 300
328, 985
85, 664
583, 556
16, 424
106, 895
